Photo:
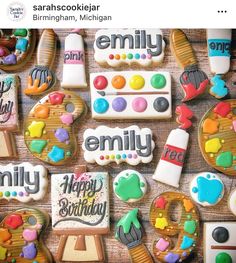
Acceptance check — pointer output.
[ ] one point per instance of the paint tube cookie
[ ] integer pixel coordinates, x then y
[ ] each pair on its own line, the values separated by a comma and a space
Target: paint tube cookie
207, 189
74, 75
21, 234
48, 129
170, 166
216, 135
104, 145
23, 182
130, 186
129, 232
219, 242
232, 202
186, 230
193, 81
16, 48
131, 95
80, 214
219, 47
143, 47
41, 78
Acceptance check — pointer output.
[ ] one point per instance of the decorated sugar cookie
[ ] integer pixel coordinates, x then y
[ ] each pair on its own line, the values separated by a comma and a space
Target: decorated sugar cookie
104, 145
129, 232
219, 45
131, 95
130, 186
21, 237
232, 202
115, 47
216, 137
187, 228
193, 81
207, 189
16, 48
41, 78
23, 182
184, 116
80, 214
219, 242
49, 133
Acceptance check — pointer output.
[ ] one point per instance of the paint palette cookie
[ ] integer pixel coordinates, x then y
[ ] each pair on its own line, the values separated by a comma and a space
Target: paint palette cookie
21, 237
23, 182
49, 127
16, 47
207, 189
219, 242
130, 186
104, 145
130, 95
115, 47
232, 202
187, 228
217, 138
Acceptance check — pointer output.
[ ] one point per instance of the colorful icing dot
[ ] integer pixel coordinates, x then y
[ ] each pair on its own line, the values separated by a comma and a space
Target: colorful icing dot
130, 56
161, 223
56, 98
124, 156
190, 226
225, 159
29, 251
14, 221
100, 105
143, 56
223, 257
62, 134
67, 118
171, 258
123, 56
139, 104
161, 104
187, 242
56, 154
29, 235
112, 157
7, 194
137, 56
158, 81
36, 129
213, 145
20, 193
118, 156
4, 235
107, 157
111, 56
119, 104
14, 193
41, 111
3, 253
129, 155
13, 260
162, 244
137, 82
117, 56
160, 202
222, 108
135, 156
101, 157
210, 126
100, 82
37, 146
118, 82
149, 56
22, 44
68, 153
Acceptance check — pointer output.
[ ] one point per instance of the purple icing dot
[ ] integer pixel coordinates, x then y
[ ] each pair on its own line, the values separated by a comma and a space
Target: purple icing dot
20, 193
129, 155
29, 251
62, 134
10, 59
119, 104
135, 156
143, 56
184, 254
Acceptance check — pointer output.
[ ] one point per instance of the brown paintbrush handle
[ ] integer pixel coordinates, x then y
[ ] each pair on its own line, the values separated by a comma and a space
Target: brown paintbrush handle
140, 254
46, 48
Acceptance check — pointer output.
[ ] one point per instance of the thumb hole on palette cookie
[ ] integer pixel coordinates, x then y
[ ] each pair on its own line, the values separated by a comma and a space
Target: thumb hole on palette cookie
175, 212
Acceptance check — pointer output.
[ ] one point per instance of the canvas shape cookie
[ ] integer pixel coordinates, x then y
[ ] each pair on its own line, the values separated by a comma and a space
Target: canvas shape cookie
104, 145
115, 47
131, 95
216, 136
21, 234
49, 128
23, 182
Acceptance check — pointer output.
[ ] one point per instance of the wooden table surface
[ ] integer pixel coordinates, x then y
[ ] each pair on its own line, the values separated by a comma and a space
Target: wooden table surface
194, 163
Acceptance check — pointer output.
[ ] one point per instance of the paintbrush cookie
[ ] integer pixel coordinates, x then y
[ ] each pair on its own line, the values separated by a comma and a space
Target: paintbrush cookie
207, 189
104, 145
131, 95
130, 186
115, 47
49, 132
21, 234
216, 136
193, 81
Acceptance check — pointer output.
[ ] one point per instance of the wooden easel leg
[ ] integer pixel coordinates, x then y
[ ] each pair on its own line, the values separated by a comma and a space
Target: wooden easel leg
61, 247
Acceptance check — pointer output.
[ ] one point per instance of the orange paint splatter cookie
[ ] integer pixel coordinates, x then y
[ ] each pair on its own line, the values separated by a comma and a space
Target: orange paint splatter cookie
187, 228
217, 137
